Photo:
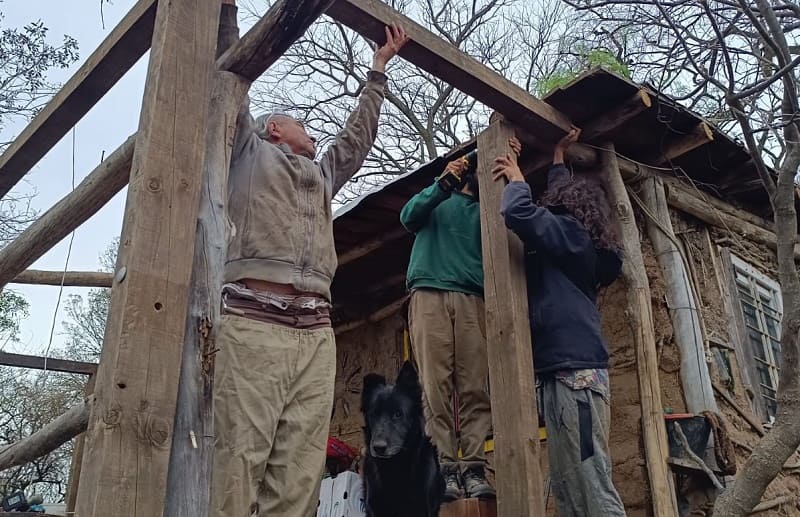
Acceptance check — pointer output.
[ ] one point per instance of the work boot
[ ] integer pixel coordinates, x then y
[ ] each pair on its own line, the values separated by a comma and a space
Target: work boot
452, 490
476, 485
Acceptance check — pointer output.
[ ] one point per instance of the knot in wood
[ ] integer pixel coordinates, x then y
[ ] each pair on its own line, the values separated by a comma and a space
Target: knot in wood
622, 211
112, 415
184, 184
153, 429
154, 185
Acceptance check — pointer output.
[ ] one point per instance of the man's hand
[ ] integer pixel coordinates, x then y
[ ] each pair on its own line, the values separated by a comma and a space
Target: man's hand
515, 145
563, 144
451, 177
395, 39
505, 167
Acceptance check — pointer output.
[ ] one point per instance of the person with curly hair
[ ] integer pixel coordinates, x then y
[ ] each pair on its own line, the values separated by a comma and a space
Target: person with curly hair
571, 252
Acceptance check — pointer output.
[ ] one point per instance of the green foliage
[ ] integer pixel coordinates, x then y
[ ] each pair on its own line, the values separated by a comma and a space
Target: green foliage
13, 308
587, 59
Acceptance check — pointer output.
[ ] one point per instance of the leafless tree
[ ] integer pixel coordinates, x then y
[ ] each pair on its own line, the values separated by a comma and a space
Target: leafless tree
736, 60
320, 77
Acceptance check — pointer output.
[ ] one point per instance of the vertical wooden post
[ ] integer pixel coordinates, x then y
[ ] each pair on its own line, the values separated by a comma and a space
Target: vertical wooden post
189, 479
129, 437
511, 377
640, 316
77, 457
684, 312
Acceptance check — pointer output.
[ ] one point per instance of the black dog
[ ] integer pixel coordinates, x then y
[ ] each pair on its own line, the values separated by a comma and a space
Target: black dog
402, 477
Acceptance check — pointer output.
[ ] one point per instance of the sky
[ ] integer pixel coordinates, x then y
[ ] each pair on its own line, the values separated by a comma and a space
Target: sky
103, 129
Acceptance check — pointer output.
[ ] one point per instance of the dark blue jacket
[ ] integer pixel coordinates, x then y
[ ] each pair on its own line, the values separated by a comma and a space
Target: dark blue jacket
564, 271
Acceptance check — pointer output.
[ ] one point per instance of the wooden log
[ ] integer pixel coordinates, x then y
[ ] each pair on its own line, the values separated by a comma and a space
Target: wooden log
371, 245
379, 315
755, 424
722, 215
121, 49
640, 316
77, 458
47, 439
129, 438
699, 135
445, 61
774, 503
74, 209
511, 372
600, 127
271, 36
47, 363
683, 307
66, 278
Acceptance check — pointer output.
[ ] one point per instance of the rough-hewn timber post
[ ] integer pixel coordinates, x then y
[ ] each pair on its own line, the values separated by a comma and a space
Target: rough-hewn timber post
513, 389
129, 437
640, 316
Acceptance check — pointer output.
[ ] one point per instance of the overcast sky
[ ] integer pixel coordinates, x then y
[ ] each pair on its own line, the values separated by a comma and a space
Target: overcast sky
103, 129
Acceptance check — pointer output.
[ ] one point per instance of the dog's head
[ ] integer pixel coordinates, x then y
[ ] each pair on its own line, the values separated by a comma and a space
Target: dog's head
392, 412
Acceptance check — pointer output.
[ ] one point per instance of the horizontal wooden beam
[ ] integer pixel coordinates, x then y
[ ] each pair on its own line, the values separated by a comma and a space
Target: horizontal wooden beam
379, 315
270, 37
720, 214
66, 278
445, 61
47, 439
371, 245
700, 135
123, 47
46, 363
596, 129
74, 209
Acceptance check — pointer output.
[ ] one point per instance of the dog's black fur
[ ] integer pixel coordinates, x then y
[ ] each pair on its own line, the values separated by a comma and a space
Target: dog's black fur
402, 477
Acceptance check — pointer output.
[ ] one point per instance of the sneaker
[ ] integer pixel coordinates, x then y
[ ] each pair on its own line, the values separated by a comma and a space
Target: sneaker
452, 490
476, 485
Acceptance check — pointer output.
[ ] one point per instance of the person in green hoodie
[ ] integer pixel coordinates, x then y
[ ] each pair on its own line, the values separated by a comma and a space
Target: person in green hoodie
447, 323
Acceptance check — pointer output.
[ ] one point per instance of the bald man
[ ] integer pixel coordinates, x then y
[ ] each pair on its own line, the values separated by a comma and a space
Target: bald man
275, 368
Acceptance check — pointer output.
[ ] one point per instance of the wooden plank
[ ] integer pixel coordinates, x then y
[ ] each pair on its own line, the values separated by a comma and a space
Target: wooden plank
683, 306
47, 439
469, 508
271, 36
67, 278
640, 317
77, 457
121, 49
443, 60
130, 433
97, 189
511, 372
47, 363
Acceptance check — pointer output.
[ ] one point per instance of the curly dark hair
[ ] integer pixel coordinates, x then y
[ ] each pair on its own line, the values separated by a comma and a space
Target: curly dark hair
588, 202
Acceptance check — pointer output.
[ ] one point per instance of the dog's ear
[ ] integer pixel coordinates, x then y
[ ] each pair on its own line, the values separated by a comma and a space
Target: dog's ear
371, 382
408, 380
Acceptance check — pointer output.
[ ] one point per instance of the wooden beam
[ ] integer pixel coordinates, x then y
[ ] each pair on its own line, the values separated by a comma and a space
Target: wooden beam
683, 305
371, 245
130, 433
699, 135
443, 60
66, 278
613, 120
121, 49
722, 215
77, 457
47, 363
47, 439
600, 127
511, 373
97, 189
271, 36
640, 318
379, 315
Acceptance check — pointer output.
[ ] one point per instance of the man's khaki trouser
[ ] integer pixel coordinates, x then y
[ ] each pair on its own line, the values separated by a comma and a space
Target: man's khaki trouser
273, 395
448, 335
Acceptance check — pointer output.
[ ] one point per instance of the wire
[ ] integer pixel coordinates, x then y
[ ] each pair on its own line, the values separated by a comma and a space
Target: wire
63, 274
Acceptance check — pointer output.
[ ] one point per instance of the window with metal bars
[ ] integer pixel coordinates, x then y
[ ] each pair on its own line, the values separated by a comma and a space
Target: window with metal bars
760, 301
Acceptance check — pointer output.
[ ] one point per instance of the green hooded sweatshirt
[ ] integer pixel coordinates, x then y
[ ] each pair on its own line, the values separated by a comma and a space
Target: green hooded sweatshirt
447, 247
